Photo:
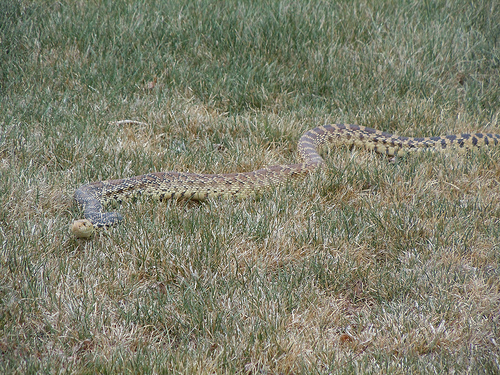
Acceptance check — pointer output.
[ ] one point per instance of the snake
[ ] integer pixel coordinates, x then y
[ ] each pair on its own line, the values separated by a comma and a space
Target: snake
95, 196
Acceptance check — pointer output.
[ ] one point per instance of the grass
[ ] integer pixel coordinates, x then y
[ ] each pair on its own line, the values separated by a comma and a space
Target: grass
368, 266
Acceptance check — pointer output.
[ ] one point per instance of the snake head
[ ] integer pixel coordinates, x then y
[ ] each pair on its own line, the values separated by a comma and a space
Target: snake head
82, 228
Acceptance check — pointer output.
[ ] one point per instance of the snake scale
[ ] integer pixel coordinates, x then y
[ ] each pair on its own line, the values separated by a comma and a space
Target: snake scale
95, 196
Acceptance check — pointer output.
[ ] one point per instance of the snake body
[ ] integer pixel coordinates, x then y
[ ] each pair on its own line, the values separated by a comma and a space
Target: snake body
95, 196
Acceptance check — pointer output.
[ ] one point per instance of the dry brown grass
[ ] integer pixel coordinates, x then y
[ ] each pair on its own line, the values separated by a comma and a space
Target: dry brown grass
368, 266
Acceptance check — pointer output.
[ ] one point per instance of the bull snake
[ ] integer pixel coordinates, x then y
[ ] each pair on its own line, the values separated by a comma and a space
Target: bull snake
173, 185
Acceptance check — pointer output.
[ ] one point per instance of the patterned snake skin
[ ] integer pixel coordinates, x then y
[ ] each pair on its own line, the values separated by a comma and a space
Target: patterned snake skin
172, 185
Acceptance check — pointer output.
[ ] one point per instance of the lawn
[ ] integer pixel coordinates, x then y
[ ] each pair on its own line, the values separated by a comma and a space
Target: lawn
369, 265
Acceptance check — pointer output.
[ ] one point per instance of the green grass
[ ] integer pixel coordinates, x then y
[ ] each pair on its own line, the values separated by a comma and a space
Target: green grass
368, 266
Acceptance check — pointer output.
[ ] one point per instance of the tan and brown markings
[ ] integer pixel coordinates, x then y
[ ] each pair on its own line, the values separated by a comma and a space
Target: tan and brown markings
172, 185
